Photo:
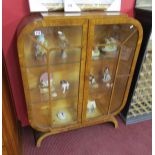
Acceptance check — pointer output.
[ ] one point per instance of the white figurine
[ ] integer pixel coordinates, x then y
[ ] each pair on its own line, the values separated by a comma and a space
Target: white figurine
64, 85
111, 45
91, 106
95, 52
61, 115
92, 80
106, 75
63, 43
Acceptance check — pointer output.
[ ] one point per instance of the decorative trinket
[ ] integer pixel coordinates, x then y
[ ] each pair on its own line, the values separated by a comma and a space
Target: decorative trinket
40, 52
91, 106
61, 115
63, 43
106, 75
44, 84
110, 45
92, 81
95, 53
64, 85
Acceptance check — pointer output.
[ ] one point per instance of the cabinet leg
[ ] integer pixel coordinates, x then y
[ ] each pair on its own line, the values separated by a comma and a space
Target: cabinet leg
114, 121
41, 137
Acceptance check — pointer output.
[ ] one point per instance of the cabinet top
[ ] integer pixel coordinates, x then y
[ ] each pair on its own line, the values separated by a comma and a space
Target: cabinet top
88, 14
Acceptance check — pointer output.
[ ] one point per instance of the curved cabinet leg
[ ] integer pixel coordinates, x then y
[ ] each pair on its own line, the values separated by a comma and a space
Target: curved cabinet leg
42, 137
114, 121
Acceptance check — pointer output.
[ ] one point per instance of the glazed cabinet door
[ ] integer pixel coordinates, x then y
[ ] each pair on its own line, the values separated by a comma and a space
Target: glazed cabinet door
52, 58
111, 46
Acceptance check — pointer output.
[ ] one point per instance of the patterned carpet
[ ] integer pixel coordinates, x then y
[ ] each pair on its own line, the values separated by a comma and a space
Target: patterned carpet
101, 139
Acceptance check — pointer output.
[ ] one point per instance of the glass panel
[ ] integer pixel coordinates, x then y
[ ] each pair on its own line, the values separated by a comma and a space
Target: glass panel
38, 92
64, 93
64, 61
102, 71
40, 116
34, 53
107, 42
127, 54
55, 38
119, 90
60, 67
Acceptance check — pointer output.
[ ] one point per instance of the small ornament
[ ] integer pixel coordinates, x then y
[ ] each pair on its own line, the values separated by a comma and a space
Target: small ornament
63, 43
95, 53
92, 81
64, 85
63, 54
44, 84
106, 75
61, 115
54, 94
40, 52
111, 45
91, 106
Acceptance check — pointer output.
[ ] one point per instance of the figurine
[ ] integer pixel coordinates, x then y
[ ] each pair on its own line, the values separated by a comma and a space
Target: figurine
106, 75
61, 115
111, 45
44, 84
64, 85
95, 52
91, 106
40, 51
63, 43
92, 81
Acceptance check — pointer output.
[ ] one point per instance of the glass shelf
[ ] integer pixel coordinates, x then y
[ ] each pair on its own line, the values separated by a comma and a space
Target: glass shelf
72, 56
105, 56
55, 58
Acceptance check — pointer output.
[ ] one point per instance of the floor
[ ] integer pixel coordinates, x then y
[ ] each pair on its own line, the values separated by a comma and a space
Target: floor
101, 139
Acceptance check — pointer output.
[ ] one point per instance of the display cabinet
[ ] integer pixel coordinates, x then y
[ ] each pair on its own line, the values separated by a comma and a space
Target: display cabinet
76, 68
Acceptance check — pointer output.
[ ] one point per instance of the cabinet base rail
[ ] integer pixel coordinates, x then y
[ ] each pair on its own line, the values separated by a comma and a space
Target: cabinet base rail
40, 136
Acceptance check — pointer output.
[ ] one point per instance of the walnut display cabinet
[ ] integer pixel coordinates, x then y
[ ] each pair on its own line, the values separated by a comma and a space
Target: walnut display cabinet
76, 68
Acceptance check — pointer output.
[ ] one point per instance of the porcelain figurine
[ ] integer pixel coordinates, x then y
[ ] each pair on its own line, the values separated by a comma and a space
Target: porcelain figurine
95, 52
40, 52
61, 115
63, 43
44, 84
92, 81
64, 85
91, 106
106, 75
111, 45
